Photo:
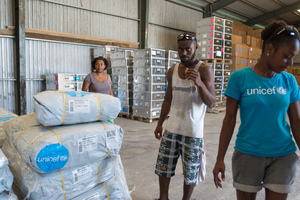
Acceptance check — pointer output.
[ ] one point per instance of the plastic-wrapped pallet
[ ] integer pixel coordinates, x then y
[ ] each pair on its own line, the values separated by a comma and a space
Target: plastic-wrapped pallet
60, 184
105, 191
5, 115
60, 147
6, 177
54, 108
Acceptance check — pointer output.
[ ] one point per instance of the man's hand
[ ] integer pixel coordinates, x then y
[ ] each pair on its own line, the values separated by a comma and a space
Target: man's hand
194, 75
158, 132
219, 167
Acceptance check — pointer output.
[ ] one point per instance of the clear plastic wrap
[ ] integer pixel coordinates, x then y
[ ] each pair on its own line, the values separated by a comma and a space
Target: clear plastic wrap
54, 108
108, 190
6, 177
121, 179
49, 186
48, 149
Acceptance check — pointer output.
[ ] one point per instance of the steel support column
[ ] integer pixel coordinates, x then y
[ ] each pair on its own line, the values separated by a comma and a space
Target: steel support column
144, 22
20, 56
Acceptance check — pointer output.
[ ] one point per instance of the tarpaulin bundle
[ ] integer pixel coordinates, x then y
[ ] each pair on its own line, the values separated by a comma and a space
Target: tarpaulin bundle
48, 149
54, 108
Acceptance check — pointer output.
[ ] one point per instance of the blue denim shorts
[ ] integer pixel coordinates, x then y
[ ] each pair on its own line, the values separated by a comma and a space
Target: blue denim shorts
251, 173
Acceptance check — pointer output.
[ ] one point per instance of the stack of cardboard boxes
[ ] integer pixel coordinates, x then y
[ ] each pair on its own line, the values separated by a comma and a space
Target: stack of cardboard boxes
246, 46
295, 72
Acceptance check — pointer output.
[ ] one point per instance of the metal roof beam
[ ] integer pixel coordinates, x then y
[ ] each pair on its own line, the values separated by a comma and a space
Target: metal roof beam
211, 8
275, 13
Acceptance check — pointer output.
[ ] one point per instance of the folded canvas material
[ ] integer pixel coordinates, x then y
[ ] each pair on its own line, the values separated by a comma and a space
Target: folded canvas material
54, 108
60, 184
48, 149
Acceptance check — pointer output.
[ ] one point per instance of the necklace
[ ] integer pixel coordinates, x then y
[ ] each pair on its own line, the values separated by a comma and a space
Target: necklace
266, 74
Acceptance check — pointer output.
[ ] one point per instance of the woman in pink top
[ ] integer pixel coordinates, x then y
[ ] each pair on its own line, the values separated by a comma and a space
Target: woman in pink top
98, 81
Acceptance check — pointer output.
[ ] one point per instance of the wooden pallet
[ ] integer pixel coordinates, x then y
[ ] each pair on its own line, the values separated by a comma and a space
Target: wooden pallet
124, 115
141, 119
226, 61
216, 110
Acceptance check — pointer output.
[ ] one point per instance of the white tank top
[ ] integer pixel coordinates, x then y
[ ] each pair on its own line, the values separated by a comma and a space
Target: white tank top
187, 108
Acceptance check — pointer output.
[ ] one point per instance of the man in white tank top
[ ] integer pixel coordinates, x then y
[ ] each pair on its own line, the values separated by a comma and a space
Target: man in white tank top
190, 90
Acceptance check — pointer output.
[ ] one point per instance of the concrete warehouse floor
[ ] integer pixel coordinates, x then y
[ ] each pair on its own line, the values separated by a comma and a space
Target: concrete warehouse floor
139, 153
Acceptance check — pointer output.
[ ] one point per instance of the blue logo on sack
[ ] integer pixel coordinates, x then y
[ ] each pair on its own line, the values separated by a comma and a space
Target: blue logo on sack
6, 118
52, 157
78, 94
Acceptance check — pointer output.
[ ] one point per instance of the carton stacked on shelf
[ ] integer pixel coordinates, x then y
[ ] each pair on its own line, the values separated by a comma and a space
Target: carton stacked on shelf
209, 33
172, 58
149, 82
214, 37
121, 73
61, 81
246, 44
79, 78
227, 36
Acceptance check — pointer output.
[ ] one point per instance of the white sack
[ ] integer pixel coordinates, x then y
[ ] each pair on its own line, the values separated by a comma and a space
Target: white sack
109, 190
54, 108
48, 186
9, 196
6, 177
48, 149
5, 115
121, 179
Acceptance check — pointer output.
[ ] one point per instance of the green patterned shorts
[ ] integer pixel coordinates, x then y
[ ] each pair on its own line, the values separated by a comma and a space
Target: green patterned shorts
171, 147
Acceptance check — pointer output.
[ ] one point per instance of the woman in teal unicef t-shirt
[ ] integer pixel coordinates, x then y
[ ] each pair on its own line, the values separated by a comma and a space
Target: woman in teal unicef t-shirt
264, 153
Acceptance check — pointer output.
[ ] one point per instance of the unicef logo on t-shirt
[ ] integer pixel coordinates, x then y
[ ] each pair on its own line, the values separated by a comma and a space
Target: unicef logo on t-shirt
281, 90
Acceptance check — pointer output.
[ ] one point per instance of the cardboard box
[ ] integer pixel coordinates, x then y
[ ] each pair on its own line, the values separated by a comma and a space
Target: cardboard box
253, 41
254, 53
290, 70
255, 33
297, 79
297, 71
246, 51
236, 63
237, 39
248, 40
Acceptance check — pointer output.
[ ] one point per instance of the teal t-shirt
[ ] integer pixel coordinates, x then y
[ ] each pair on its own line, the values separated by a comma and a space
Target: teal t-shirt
263, 104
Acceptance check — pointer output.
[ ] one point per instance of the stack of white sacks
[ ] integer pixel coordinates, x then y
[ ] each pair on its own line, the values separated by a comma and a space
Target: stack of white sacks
67, 149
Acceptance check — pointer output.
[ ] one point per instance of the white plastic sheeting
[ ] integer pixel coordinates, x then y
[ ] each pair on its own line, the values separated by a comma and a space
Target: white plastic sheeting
6, 177
105, 191
69, 107
61, 184
60, 147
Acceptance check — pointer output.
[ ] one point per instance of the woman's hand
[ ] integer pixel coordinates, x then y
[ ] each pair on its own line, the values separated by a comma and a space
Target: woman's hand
219, 167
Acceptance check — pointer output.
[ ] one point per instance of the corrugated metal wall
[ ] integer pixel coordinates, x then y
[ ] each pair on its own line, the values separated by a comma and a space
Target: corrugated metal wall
46, 57
84, 17
6, 13
7, 74
163, 14
117, 19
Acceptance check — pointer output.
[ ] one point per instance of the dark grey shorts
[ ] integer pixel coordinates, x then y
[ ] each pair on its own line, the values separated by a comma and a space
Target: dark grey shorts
251, 173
